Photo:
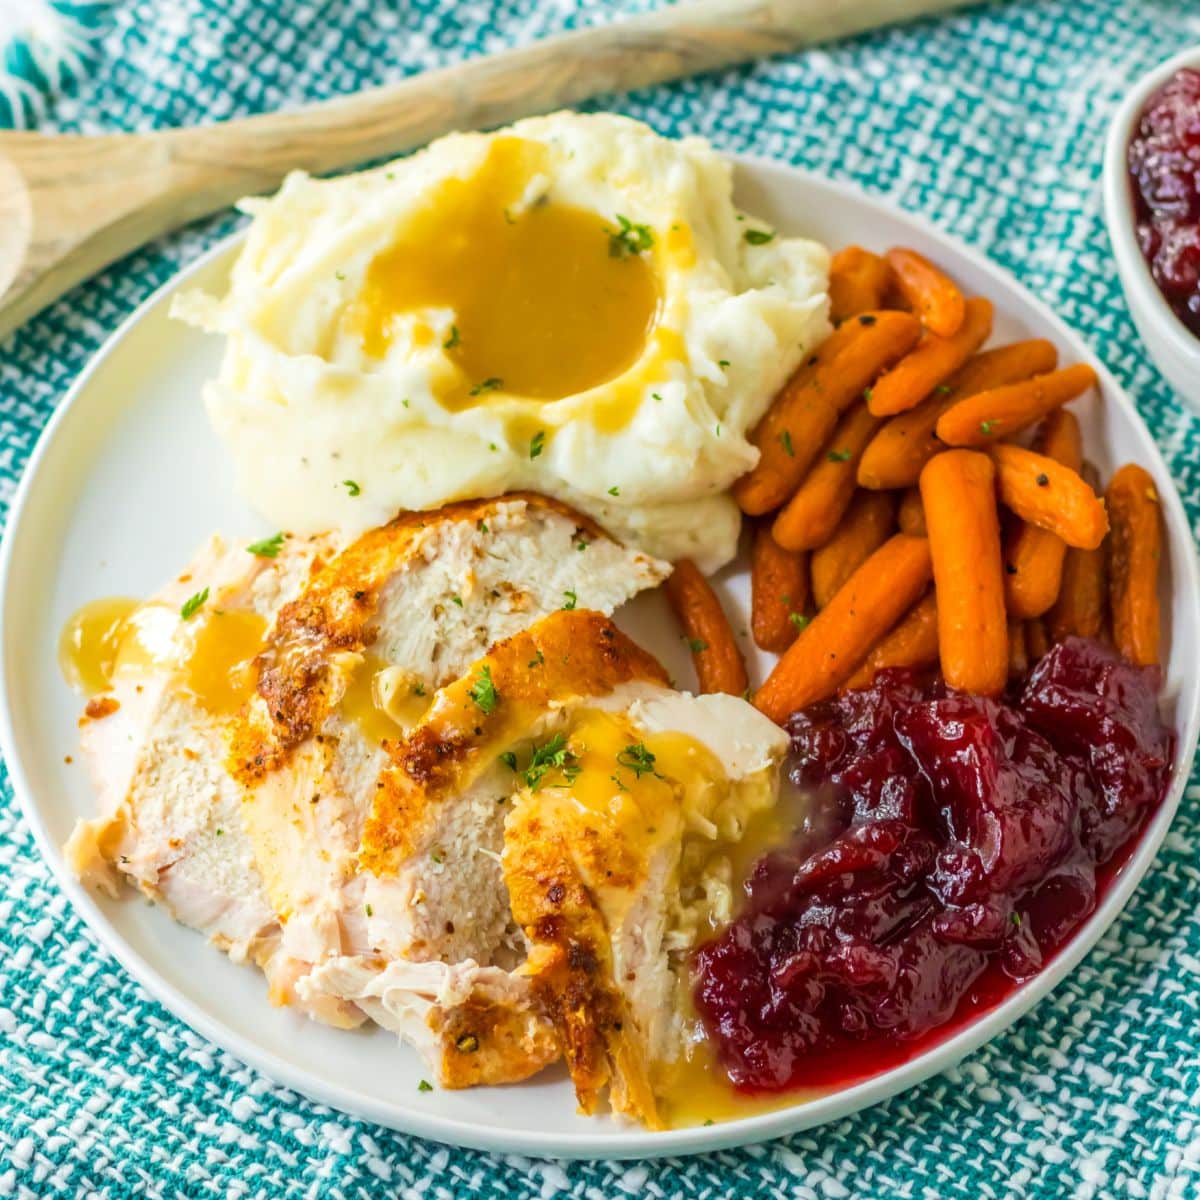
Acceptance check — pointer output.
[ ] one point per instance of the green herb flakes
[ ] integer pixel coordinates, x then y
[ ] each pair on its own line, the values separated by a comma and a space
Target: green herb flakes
193, 604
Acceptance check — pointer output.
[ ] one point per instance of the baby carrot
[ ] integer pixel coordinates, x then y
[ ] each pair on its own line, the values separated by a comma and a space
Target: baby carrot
932, 363
1047, 494
719, 664
958, 490
1079, 609
906, 442
1033, 557
813, 513
840, 636
913, 643
858, 282
778, 592
1036, 641
801, 417
868, 523
912, 513
931, 294
1133, 563
1018, 652
1000, 412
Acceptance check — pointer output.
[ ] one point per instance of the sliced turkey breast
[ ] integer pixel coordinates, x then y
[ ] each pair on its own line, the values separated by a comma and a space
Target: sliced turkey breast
170, 814
619, 860
348, 665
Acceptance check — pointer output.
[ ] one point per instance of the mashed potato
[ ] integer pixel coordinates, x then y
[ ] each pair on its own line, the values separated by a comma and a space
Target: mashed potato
572, 305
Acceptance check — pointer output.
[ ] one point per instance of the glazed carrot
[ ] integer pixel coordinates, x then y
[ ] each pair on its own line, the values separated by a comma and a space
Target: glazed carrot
906, 442
1079, 609
1036, 641
821, 500
988, 416
840, 636
1049, 495
1033, 557
913, 643
778, 592
932, 363
931, 294
868, 523
912, 513
858, 282
719, 664
1133, 563
1018, 653
958, 490
801, 417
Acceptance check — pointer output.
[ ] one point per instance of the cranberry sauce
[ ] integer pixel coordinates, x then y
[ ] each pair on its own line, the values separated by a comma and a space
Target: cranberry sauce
967, 838
1164, 167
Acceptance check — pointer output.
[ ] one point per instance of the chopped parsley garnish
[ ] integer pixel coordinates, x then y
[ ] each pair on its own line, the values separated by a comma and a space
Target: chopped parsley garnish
437, 856
637, 759
351, 487
538, 444
570, 599
798, 620
617, 780
697, 645
267, 548
723, 363
656, 396
551, 756
488, 385
785, 440
838, 455
418, 689
986, 427
457, 600
867, 393
220, 833
452, 340
424, 1086
370, 911
509, 759
629, 239
1016, 918
339, 274
537, 660
581, 545
483, 691
614, 491
942, 389
758, 237
193, 604
481, 525
405, 402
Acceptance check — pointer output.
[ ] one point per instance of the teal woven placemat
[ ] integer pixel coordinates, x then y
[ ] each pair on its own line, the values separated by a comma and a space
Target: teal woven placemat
991, 123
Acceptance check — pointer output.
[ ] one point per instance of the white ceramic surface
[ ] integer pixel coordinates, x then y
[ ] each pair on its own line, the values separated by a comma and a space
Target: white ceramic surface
1172, 345
128, 479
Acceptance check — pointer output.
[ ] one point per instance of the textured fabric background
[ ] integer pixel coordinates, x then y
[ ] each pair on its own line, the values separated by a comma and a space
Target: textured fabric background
991, 123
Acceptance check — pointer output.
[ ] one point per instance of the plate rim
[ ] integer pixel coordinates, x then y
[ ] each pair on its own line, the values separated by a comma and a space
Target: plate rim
626, 1143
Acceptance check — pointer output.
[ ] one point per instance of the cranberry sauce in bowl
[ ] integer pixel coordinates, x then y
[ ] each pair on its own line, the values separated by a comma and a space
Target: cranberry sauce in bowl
967, 840
1163, 159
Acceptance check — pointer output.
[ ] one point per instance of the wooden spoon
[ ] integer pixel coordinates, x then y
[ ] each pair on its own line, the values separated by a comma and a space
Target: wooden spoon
70, 205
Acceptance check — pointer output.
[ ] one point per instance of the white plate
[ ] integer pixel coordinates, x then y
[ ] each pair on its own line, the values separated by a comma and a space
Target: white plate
128, 480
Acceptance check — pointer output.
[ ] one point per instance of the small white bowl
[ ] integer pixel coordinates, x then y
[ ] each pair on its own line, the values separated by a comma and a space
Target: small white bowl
1172, 345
